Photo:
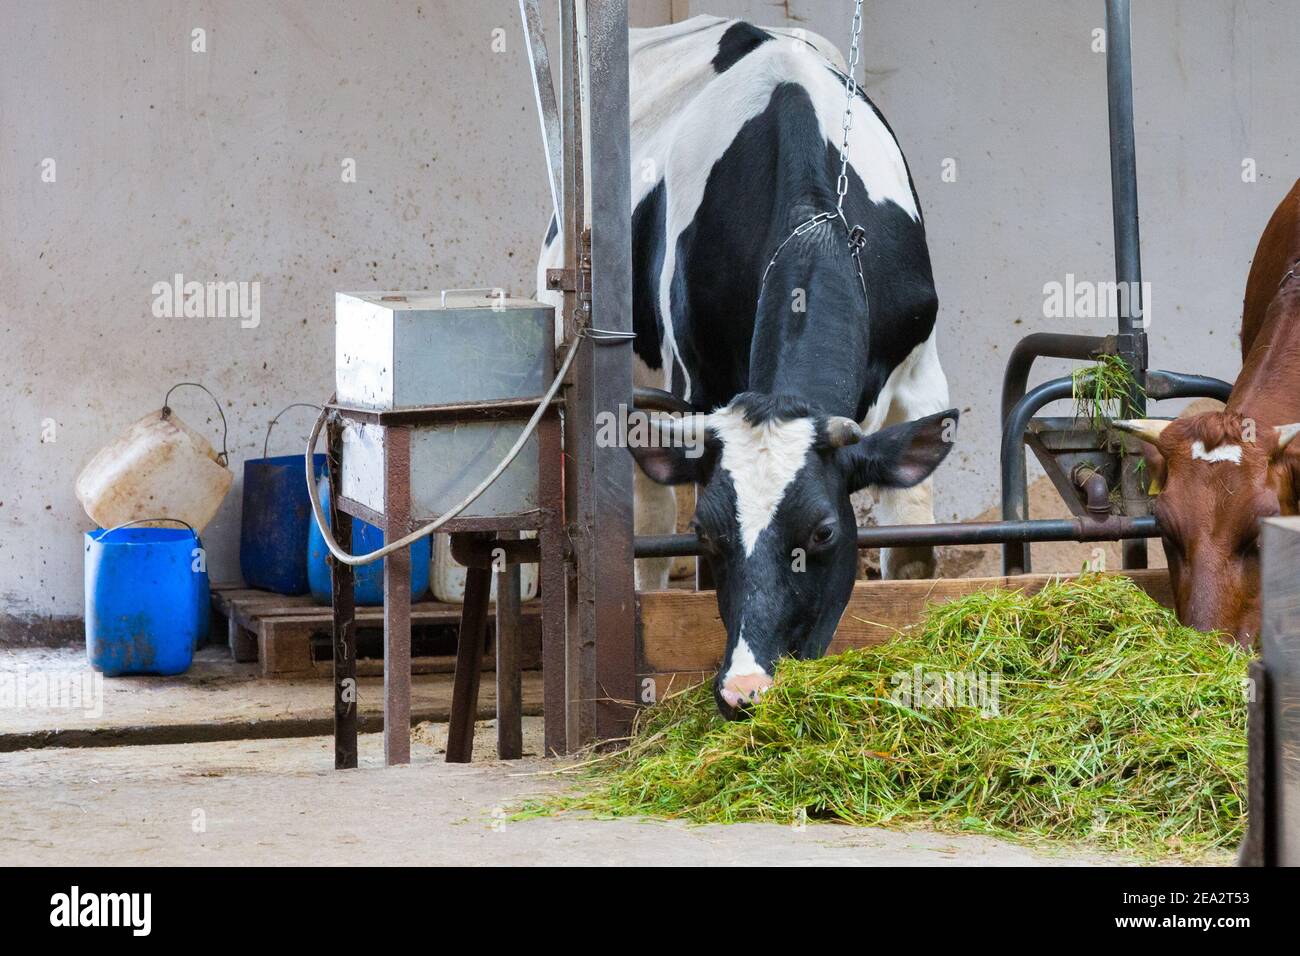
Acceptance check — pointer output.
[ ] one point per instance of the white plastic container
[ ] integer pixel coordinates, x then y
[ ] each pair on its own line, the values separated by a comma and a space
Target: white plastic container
447, 577
157, 468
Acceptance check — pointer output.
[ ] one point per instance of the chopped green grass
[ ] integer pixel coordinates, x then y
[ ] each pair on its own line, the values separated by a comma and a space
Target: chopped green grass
1090, 715
1101, 390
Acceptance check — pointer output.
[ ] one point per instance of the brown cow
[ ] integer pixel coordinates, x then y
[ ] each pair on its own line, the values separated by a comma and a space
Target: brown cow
1219, 473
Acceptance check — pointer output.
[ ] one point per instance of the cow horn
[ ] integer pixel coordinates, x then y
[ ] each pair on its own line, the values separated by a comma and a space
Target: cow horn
841, 431
1148, 429
657, 400
682, 428
1285, 433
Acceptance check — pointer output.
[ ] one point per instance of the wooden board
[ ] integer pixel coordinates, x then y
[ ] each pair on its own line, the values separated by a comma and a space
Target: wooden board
278, 631
680, 634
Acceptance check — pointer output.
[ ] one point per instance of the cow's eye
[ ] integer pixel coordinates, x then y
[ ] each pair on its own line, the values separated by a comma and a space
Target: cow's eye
823, 535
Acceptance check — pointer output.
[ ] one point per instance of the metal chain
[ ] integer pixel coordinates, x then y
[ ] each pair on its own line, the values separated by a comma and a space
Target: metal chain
857, 235
842, 185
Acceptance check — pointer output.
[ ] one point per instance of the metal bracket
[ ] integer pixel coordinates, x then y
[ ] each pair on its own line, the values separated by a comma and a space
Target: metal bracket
575, 280
568, 280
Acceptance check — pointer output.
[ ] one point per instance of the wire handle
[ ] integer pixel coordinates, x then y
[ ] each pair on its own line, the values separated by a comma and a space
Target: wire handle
224, 457
271, 424
496, 292
127, 524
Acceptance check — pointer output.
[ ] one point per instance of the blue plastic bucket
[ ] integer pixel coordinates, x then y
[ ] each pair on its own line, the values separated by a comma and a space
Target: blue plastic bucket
366, 537
146, 605
276, 522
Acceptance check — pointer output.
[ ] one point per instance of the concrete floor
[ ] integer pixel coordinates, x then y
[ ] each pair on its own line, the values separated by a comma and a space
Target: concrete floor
216, 699
280, 802
216, 767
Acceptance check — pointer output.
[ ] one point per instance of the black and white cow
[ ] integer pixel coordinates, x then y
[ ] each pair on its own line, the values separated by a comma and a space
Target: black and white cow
793, 365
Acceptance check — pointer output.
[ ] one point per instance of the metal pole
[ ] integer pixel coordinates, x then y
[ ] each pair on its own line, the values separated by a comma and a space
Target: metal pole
1132, 342
573, 226
1103, 528
548, 110
1015, 482
604, 530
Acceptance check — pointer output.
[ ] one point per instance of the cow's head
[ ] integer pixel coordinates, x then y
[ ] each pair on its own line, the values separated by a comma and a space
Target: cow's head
775, 521
1217, 475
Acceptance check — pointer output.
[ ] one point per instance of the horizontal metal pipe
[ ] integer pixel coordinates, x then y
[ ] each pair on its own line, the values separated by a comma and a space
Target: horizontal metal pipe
1162, 385
1110, 528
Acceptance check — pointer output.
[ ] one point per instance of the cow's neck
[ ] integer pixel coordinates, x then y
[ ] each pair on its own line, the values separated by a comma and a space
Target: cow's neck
810, 333
1268, 388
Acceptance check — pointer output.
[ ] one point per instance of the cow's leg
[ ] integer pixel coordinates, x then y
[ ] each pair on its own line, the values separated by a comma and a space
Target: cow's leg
920, 388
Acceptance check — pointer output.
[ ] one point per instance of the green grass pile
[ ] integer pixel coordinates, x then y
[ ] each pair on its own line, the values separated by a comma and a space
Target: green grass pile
1101, 391
1085, 713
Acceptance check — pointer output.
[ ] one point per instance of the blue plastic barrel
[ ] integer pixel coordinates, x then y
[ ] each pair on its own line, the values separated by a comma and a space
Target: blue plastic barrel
146, 604
366, 537
276, 523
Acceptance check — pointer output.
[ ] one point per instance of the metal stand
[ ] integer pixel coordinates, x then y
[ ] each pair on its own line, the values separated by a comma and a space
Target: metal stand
476, 545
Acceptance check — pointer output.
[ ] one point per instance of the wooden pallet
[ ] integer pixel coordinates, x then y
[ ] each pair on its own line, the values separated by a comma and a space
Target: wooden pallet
279, 631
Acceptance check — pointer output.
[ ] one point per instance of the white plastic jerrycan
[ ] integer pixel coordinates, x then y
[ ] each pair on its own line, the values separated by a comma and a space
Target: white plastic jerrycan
157, 468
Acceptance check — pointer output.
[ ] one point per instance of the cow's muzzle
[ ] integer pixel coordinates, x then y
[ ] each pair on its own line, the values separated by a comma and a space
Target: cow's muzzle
738, 694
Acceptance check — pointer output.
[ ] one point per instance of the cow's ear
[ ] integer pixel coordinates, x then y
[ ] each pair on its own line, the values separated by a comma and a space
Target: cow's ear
674, 465
1154, 460
902, 455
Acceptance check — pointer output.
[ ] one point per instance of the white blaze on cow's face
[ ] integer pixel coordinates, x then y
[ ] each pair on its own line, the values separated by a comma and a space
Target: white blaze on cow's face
776, 524
762, 460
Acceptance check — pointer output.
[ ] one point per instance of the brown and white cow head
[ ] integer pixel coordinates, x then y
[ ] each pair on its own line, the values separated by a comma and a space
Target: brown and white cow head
1218, 474
775, 521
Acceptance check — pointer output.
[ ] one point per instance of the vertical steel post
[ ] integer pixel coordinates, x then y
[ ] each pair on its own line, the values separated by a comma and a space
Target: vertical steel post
1132, 340
397, 597
552, 582
573, 232
342, 578
602, 610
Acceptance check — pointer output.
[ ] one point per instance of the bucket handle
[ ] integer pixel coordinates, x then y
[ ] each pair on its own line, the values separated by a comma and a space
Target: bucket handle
271, 424
224, 457
128, 524
496, 292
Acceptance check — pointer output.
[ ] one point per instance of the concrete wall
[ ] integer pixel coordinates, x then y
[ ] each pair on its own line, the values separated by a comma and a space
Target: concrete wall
1013, 92
226, 165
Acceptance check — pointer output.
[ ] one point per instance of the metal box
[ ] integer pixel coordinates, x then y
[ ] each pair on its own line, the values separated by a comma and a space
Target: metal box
404, 350
412, 349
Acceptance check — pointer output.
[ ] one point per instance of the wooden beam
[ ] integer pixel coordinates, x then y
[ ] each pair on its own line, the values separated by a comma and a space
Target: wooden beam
681, 633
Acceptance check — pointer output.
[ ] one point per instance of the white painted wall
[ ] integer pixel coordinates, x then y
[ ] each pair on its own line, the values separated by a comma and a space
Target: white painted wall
1012, 91
226, 165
